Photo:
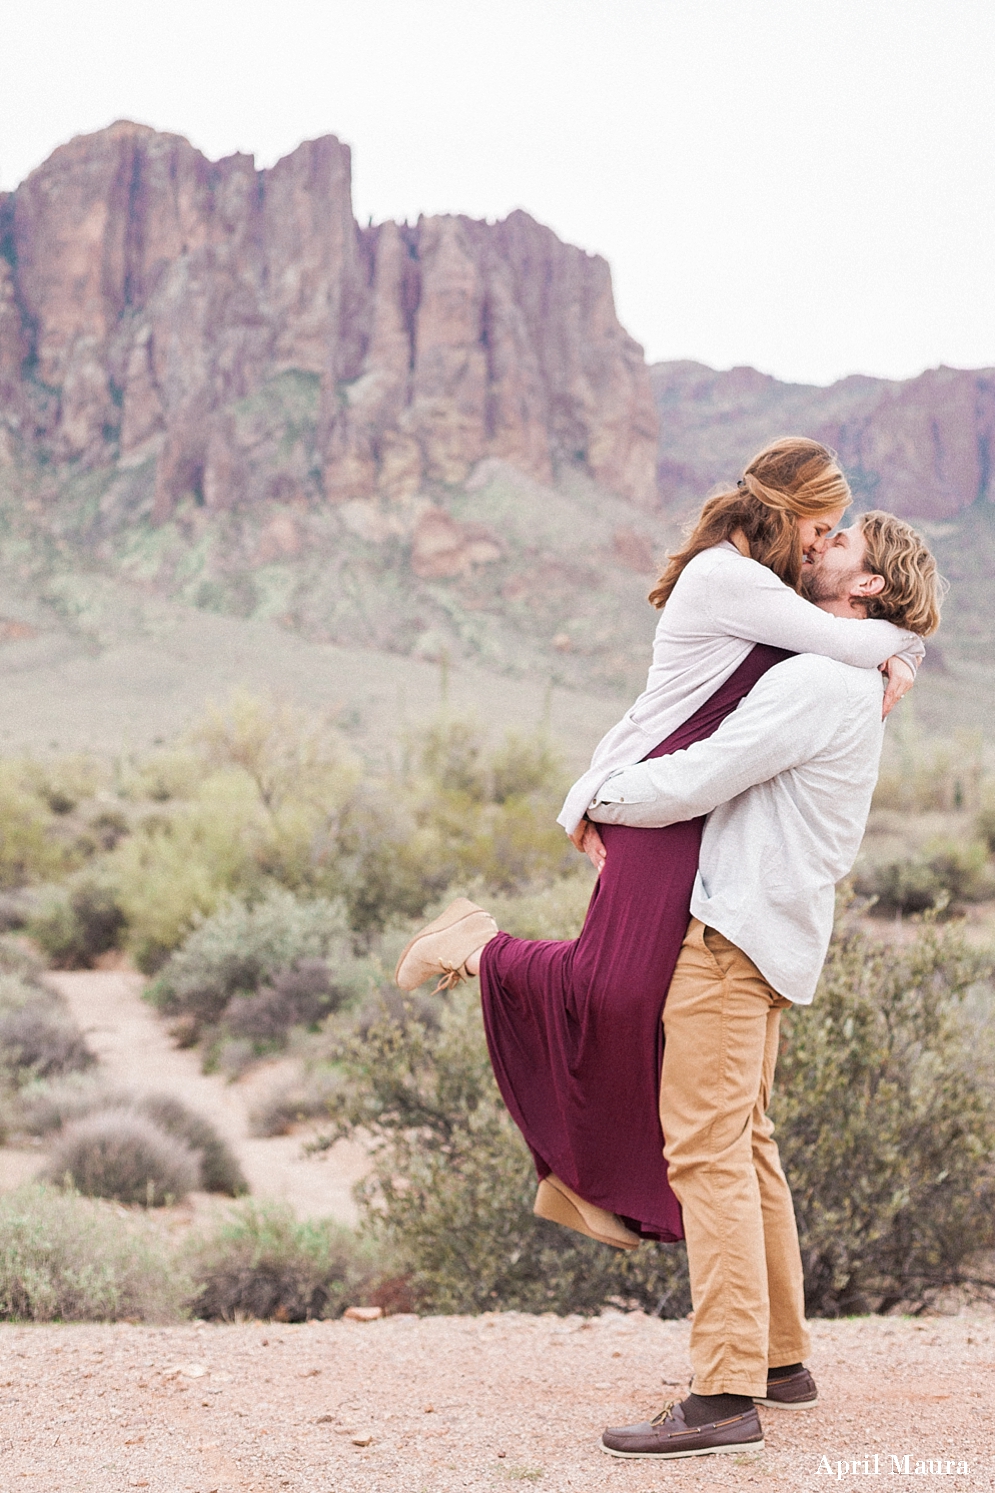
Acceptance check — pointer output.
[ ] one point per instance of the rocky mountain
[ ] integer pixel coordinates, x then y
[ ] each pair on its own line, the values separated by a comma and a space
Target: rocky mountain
433, 440
921, 447
146, 293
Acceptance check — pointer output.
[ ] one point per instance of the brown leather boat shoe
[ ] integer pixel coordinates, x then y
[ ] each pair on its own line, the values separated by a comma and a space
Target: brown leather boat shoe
444, 946
668, 1436
796, 1392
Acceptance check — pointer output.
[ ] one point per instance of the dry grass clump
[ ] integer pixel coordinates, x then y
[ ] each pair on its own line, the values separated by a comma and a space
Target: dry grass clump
44, 1108
122, 1154
259, 1261
45, 1105
219, 1167
38, 1038
63, 1258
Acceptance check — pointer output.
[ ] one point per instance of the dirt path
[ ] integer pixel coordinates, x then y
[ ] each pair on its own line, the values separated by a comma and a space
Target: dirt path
483, 1403
137, 1054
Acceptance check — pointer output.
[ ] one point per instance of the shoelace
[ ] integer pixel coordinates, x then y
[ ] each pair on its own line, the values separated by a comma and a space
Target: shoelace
664, 1413
451, 978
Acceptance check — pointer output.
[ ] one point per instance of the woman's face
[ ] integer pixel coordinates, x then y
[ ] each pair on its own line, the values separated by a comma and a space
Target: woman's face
813, 532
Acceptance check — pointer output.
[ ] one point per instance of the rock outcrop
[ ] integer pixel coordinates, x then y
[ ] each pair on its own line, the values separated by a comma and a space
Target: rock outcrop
921, 447
152, 300
238, 331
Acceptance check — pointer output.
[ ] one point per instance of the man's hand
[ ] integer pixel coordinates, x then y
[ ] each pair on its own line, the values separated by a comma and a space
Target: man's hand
587, 839
900, 680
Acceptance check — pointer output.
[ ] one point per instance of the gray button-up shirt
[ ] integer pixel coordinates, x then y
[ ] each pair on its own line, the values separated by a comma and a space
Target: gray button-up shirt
786, 781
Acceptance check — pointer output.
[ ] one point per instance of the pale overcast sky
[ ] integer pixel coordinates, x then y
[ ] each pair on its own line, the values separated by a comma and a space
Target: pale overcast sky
804, 185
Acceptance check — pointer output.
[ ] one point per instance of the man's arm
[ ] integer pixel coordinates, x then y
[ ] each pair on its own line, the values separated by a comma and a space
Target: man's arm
788, 717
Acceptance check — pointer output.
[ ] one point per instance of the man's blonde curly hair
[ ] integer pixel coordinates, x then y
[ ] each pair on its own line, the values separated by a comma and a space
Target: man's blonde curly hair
913, 588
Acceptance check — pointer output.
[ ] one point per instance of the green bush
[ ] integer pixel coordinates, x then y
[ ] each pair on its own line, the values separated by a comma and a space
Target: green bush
457, 812
63, 1258
452, 1187
886, 1120
28, 850
298, 996
886, 1123
121, 1154
182, 862
77, 923
242, 948
259, 1261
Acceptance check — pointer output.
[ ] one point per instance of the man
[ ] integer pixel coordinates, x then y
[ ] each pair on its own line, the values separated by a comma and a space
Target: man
787, 781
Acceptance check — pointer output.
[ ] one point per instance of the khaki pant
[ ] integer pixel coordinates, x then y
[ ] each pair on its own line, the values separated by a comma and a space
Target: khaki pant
721, 1026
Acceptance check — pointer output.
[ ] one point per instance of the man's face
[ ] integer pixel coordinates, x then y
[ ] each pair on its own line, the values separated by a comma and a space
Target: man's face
834, 574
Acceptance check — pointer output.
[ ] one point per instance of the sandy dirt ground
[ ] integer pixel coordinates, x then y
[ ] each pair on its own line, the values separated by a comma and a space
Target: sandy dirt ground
446, 1403
137, 1054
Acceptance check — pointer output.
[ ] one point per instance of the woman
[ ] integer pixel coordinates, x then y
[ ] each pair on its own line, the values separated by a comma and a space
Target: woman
574, 1027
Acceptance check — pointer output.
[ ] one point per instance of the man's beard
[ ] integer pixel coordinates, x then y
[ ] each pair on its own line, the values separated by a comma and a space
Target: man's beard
819, 584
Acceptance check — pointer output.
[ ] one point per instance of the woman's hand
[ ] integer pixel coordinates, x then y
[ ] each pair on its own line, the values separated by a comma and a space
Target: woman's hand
588, 841
900, 680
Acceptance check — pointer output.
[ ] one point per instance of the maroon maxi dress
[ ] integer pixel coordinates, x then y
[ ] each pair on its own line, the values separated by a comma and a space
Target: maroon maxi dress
574, 1028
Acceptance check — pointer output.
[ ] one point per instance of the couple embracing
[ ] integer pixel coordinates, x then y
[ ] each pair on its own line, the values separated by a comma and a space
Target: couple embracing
720, 813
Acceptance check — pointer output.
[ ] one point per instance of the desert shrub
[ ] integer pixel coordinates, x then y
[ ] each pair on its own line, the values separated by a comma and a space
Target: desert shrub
17, 958
305, 1097
109, 826
298, 996
920, 775
451, 1191
553, 911
391, 866
492, 816
181, 863
76, 923
947, 874
38, 1038
64, 1258
524, 765
63, 782
162, 777
219, 1167
28, 851
16, 908
120, 1153
259, 1261
242, 947
985, 828
886, 1121
44, 1105
456, 812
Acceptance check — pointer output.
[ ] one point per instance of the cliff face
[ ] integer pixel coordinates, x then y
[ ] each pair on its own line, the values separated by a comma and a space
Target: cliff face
921, 447
146, 294
238, 329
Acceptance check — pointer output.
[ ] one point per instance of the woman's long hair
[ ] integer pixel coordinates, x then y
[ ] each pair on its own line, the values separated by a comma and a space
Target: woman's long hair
791, 478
